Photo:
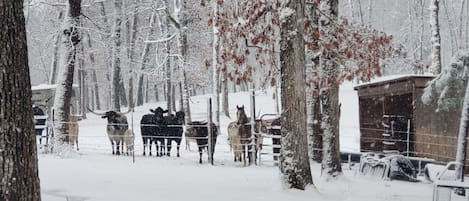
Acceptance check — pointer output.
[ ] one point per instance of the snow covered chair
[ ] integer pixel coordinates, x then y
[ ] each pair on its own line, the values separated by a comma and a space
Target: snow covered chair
387, 166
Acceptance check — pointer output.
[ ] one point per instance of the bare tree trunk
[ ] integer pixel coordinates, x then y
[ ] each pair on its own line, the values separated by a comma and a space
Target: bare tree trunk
55, 55
352, 13
452, 32
215, 62
144, 59
63, 94
122, 94
329, 93
360, 12
157, 95
116, 68
435, 67
169, 90
370, 11
463, 126
19, 177
131, 25
96, 89
224, 91
82, 83
294, 160
313, 109
93, 73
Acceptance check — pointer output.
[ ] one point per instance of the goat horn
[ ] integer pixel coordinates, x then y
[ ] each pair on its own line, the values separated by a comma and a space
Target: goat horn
99, 114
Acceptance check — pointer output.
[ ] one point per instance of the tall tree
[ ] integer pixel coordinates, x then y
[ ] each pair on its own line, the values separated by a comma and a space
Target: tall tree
54, 62
215, 60
441, 89
435, 67
144, 58
312, 98
116, 89
329, 87
294, 160
19, 178
63, 94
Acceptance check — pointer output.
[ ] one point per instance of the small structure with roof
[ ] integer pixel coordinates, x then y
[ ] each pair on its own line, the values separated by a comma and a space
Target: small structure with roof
393, 118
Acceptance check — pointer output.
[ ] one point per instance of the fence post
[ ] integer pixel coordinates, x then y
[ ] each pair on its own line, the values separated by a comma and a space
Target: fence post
253, 148
133, 133
408, 136
209, 128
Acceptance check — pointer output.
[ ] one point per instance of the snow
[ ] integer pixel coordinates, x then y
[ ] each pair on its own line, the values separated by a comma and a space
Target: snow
93, 174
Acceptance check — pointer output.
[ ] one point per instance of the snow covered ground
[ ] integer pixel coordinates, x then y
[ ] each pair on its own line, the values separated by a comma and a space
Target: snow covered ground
93, 174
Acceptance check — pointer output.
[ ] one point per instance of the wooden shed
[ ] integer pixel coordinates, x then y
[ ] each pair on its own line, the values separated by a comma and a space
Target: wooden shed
43, 95
393, 118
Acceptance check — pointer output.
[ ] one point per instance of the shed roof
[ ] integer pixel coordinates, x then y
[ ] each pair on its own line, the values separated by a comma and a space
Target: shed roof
391, 79
393, 85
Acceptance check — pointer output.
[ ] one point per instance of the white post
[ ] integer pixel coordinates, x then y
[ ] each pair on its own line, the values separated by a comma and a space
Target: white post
253, 123
209, 128
408, 136
133, 142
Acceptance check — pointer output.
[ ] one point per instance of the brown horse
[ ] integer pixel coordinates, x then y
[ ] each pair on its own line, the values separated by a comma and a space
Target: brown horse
198, 130
239, 134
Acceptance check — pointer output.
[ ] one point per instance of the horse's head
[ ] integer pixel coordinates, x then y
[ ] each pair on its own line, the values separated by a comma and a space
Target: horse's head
241, 115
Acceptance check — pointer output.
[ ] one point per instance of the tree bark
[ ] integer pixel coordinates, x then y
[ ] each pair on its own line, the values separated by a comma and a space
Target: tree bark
55, 55
94, 78
224, 91
183, 48
294, 160
312, 99
329, 92
169, 87
63, 94
19, 178
463, 127
116, 68
144, 59
435, 67
215, 62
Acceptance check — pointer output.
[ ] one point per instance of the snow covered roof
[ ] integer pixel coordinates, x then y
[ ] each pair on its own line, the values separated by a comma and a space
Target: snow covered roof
390, 79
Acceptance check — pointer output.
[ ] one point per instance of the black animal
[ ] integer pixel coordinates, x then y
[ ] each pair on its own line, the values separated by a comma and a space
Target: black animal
116, 126
174, 131
199, 130
154, 128
39, 121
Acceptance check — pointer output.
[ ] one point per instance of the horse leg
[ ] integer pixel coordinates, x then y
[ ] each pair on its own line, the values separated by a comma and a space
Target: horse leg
144, 145
178, 141
112, 146
168, 147
200, 154
118, 147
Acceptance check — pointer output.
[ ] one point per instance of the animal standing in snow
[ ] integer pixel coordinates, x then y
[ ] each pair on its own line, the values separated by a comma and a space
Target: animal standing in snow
174, 130
39, 121
129, 137
116, 126
73, 130
199, 130
153, 128
239, 134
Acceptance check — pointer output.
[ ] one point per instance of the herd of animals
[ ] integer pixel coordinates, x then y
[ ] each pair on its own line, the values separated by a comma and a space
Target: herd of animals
159, 128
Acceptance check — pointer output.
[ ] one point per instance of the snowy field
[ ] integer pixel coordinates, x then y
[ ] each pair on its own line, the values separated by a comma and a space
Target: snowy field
93, 174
